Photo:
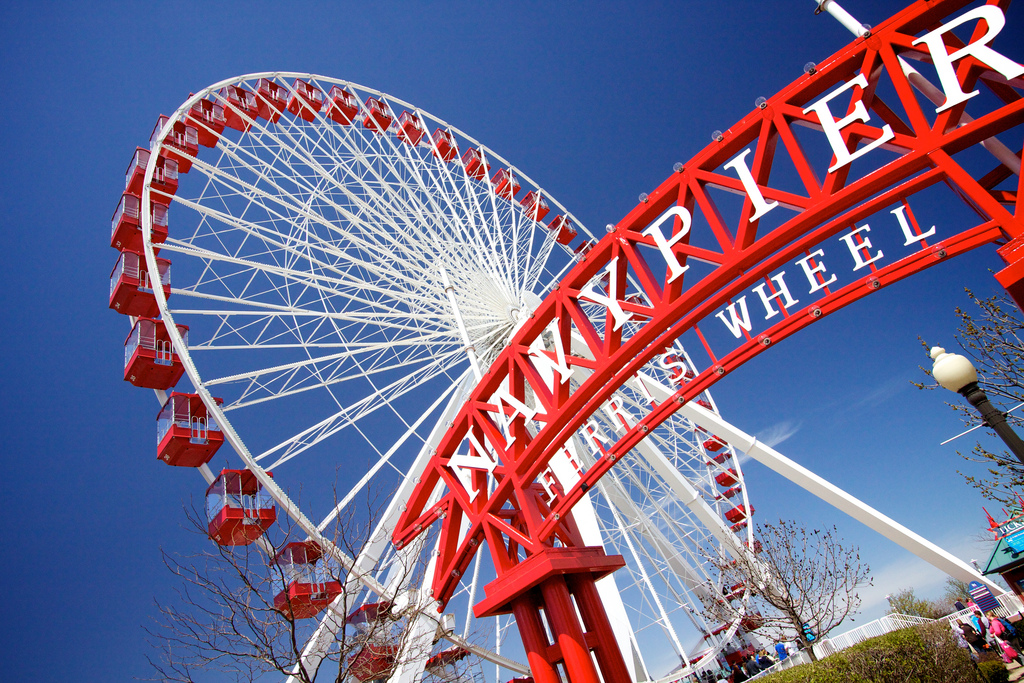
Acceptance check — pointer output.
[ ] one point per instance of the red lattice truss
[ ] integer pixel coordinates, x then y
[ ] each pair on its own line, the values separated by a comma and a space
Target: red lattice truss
732, 250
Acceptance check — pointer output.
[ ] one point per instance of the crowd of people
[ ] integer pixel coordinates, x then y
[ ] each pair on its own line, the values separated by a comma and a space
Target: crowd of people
986, 632
748, 666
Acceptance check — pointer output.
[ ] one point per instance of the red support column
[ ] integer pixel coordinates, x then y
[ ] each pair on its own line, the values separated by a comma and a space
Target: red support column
527, 612
595, 620
550, 580
567, 632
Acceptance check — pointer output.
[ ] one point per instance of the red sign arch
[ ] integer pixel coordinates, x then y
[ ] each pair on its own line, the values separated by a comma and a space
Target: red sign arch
771, 216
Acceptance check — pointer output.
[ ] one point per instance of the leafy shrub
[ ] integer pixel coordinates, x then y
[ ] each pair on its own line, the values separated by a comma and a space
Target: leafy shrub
924, 654
994, 671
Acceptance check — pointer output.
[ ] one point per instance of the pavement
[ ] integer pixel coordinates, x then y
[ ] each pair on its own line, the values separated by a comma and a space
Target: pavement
1016, 671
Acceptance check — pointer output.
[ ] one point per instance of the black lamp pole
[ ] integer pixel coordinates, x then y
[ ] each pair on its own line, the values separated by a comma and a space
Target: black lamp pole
956, 373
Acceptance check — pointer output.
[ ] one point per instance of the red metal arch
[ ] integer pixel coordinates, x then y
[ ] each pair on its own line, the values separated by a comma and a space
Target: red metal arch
885, 145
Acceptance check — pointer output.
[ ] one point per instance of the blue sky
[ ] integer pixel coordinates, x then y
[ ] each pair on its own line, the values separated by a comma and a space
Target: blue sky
595, 101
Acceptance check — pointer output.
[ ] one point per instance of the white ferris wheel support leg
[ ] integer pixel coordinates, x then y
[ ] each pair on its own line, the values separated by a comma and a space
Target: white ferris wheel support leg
828, 492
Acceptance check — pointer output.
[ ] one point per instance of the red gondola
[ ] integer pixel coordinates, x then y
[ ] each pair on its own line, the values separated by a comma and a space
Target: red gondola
752, 621
371, 612
131, 287
186, 435
727, 478
237, 508
738, 513
535, 206
180, 144
476, 167
342, 106
714, 444
563, 229
445, 657
125, 230
306, 101
378, 118
445, 147
309, 586
240, 107
505, 183
271, 99
583, 249
208, 119
149, 359
410, 128
720, 458
165, 181
136, 172
373, 662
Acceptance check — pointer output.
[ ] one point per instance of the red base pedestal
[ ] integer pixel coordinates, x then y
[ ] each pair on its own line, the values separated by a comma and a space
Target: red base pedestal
548, 582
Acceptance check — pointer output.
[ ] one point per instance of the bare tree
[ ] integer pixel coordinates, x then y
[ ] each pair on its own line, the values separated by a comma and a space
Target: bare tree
992, 337
234, 615
795, 577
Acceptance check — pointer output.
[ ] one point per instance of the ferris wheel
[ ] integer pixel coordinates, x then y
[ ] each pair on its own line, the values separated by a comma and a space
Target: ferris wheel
345, 266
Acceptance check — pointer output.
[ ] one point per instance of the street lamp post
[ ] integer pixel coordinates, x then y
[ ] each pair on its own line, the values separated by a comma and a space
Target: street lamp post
956, 373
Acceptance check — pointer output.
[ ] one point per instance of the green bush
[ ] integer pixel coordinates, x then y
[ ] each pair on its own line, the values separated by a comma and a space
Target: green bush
994, 672
924, 654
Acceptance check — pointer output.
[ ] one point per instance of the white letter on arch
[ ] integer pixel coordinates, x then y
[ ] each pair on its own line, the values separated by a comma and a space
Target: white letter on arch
979, 49
665, 245
761, 207
610, 302
833, 129
481, 460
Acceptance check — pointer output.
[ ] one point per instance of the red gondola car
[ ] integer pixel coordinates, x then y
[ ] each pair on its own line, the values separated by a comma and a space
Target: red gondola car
342, 106
136, 172
410, 128
727, 478
476, 167
445, 147
131, 287
238, 510
505, 183
535, 206
739, 513
271, 98
208, 119
307, 100
563, 229
125, 228
186, 435
165, 181
373, 662
180, 144
240, 107
309, 587
720, 458
583, 249
378, 118
149, 359
714, 444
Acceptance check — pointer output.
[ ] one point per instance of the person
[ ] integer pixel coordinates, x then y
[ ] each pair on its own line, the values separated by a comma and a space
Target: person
972, 637
981, 624
780, 650
750, 667
995, 627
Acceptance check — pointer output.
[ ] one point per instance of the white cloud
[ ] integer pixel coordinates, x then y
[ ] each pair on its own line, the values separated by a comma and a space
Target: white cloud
778, 432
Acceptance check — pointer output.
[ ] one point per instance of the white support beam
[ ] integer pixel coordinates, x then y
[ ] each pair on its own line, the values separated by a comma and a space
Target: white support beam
828, 492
